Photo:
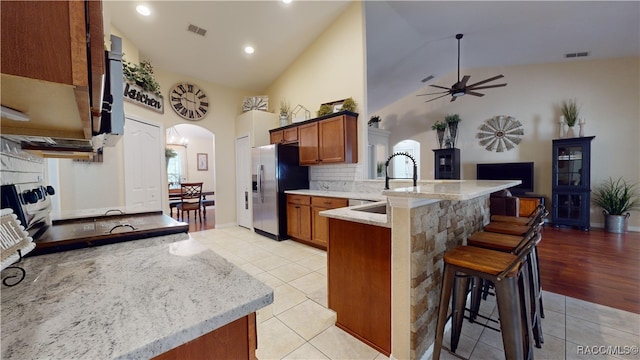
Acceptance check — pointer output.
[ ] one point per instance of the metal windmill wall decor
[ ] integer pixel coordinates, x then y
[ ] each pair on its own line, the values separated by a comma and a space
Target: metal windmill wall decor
500, 133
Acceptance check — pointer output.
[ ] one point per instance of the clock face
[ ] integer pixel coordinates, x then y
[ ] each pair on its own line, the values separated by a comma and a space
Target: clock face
189, 101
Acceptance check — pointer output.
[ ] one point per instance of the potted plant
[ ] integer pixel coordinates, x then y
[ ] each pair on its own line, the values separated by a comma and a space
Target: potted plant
169, 153
616, 198
141, 75
285, 110
349, 104
325, 109
452, 121
569, 110
374, 121
440, 128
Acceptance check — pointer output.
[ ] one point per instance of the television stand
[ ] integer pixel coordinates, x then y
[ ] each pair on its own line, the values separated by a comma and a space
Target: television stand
529, 202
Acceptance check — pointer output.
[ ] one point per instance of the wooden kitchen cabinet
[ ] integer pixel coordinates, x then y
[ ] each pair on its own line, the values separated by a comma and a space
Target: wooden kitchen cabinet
48, 40
329, 141
359, 281
320, 224
284, 136
299, 217
304, 223
236, 340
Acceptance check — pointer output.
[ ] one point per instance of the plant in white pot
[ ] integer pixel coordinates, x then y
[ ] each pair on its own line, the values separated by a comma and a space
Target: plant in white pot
616, 198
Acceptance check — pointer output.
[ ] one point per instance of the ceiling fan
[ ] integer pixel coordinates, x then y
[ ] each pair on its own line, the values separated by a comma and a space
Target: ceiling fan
461, 88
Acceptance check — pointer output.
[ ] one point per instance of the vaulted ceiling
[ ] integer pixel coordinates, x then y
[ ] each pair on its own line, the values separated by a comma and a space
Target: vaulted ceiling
406, 41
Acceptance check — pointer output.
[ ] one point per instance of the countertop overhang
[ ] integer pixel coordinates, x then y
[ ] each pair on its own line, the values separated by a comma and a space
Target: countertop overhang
129, 300
451, 189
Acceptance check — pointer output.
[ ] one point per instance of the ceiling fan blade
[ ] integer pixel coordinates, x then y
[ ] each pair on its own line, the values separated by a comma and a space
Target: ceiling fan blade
486, 87
486, 81
453, 98
435, 98
473, 93
435, 93
440, 87
464, 80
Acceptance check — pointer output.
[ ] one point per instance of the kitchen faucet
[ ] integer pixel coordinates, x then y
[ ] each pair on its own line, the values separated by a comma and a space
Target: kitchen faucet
386, 169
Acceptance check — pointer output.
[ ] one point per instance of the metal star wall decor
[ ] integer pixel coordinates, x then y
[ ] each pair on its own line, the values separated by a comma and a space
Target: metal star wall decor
500, 133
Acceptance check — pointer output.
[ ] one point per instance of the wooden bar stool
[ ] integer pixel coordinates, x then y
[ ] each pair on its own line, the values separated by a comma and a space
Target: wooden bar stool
520, 220
507, 273
511, 244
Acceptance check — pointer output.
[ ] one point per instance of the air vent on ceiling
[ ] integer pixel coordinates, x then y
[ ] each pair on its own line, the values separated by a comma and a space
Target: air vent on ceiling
427, 78
577, 54
196, 30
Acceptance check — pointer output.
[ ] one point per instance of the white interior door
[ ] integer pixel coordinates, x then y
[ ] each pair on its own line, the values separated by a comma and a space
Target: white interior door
243, 182
142, 166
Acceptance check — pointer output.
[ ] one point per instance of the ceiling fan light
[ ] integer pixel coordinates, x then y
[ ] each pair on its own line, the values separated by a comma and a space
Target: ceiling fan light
458, 93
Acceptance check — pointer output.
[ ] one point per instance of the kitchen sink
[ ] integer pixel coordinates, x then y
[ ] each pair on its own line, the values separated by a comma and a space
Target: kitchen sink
376, 209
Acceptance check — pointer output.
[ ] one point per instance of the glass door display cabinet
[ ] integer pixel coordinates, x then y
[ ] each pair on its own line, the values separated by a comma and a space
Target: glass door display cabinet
571, 183
447, 164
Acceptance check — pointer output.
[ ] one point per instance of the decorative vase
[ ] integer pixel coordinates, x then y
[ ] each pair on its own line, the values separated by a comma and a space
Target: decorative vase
374, 125
284, 121
440, 134
453, 132
570, 133
561, 125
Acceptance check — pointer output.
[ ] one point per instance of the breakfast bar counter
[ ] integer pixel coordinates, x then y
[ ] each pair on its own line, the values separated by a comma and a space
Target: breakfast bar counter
132, 300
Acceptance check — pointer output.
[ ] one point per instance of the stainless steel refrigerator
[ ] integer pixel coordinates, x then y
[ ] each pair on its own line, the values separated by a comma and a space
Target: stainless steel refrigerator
275, 168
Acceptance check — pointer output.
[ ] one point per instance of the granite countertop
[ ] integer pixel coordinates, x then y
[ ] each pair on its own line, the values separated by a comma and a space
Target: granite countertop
352, 214
129, 300
339, 194
451, 189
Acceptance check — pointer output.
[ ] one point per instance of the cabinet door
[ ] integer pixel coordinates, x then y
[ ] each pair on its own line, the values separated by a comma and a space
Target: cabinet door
299, 221
291, 135
571, 208
320, 224
331, 146
276, 137
308, 143
320, 227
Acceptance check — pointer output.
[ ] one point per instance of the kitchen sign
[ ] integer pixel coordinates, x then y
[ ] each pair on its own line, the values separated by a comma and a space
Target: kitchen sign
137, 95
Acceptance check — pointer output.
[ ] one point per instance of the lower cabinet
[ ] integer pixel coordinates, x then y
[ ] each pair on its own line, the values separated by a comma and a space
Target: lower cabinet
236, 340
304, 223
299, 217
359, 281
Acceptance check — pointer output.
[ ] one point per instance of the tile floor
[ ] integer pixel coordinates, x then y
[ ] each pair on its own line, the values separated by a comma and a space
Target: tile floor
298, 325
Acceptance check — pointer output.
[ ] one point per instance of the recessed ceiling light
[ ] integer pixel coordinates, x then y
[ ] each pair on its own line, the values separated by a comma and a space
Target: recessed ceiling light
249, 50
286, 1
143, 10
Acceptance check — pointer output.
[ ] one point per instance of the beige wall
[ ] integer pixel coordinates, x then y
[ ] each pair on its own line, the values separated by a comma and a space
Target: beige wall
225, 107
606, 90
331, 69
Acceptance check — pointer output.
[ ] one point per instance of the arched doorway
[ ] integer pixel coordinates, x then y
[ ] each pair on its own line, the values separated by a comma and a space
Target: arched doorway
401, 166
194, 159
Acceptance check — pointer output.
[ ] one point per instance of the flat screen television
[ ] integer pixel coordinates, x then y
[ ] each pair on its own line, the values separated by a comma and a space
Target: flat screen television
508, 171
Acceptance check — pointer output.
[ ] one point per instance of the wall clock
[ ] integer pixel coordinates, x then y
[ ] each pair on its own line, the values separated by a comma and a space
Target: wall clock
189, 101
500, 133
255, 103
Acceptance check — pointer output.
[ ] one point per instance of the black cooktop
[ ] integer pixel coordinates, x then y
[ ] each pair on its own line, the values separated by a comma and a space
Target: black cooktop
70, 234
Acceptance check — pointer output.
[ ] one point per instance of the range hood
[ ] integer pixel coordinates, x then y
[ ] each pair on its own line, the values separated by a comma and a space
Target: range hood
48, 147
55, 126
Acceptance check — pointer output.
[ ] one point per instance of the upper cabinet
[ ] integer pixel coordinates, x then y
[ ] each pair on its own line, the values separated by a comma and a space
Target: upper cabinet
52, 56
330, 139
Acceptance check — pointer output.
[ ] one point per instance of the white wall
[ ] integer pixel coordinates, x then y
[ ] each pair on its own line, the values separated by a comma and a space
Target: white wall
607, 92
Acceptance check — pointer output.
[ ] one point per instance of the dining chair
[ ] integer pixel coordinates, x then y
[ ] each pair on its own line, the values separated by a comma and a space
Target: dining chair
190, 199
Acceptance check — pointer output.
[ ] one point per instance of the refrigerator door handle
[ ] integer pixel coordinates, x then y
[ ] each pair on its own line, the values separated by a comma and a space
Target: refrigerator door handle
260, 187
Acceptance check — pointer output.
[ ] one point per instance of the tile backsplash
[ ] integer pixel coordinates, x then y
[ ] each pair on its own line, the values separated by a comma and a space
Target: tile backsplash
18, 166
